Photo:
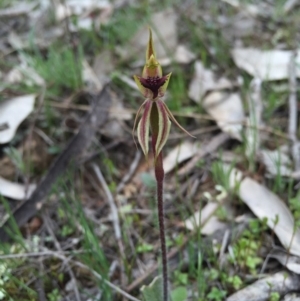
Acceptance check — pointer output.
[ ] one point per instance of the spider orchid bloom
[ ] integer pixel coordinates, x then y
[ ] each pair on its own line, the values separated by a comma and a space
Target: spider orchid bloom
156, 115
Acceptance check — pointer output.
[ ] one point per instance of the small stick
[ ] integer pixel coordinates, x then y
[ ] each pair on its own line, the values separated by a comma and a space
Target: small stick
113, 207
37, 254
62, 257
111, 285
114, 214
131, 171
39, 285
58, 247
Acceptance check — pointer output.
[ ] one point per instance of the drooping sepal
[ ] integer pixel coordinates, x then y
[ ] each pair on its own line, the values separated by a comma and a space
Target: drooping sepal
143, 128
175, 121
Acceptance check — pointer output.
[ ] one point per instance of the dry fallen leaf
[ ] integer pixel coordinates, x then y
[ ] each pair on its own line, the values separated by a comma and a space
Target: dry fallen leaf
209, 223
127, 80
260, 290
16, 41
265, 204
277, 162
79, 8
289, 5
103, 65
23, 73
12, 113
204, 80
43, 38
227, 110
260, 8
205, 218
114, 127
287, 260
179, 154
90, 79
21, 8
14, 190
117, 109
292, 297
239, 25
265, 64
253, 122
182, 55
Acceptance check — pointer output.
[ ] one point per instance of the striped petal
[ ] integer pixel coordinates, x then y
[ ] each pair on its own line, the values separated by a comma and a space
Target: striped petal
136, 117
164, 126
143, 128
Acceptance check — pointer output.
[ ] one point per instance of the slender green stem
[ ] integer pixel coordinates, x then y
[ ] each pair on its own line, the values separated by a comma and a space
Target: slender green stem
159, 175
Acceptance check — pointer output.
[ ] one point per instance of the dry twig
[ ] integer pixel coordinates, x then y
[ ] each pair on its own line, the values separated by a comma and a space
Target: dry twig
58, 247
295, 145
130, 172
39, 285
114, 215
113, 208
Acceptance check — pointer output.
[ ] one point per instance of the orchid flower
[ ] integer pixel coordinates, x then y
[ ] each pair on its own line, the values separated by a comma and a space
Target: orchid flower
156, 115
